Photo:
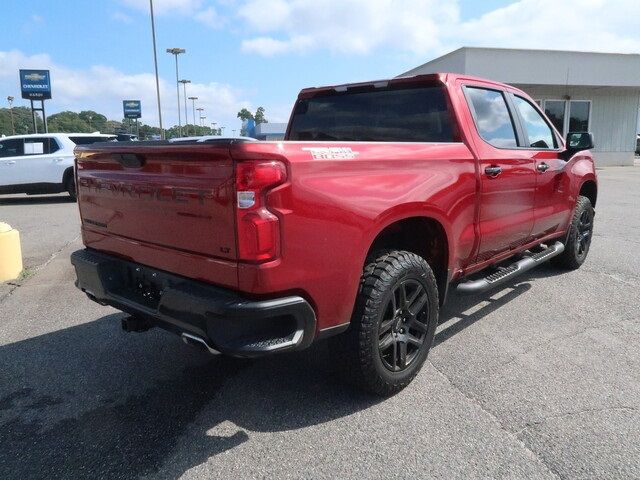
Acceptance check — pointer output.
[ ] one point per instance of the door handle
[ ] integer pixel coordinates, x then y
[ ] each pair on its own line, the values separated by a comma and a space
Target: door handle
10, 162
493, 170
542, 167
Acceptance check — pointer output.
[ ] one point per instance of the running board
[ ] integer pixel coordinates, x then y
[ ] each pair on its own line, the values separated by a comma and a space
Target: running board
507, 273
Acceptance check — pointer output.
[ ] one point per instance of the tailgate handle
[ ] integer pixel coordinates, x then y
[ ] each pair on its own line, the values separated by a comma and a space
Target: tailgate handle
129, 160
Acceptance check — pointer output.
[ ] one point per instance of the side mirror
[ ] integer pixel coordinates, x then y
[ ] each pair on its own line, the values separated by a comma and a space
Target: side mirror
578, 141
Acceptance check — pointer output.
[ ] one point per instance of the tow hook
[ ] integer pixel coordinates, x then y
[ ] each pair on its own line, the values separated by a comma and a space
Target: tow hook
136, 324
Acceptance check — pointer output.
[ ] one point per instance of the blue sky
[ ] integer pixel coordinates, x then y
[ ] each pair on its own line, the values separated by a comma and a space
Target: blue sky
262, 52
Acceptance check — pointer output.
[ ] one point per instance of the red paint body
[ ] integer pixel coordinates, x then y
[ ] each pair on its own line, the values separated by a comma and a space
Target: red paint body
177, 212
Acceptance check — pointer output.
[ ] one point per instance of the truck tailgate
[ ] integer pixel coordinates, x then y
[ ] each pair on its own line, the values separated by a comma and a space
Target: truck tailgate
179, 197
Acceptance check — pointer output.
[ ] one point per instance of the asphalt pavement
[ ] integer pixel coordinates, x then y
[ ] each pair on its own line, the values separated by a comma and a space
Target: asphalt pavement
540, 379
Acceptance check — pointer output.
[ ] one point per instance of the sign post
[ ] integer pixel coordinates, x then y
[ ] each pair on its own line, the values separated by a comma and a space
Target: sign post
132, 109
36, 85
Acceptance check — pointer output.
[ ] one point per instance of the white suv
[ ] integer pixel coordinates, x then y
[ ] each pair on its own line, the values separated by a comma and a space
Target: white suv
42, 163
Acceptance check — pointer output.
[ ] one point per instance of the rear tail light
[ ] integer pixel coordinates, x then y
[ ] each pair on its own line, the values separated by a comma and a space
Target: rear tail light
258, 228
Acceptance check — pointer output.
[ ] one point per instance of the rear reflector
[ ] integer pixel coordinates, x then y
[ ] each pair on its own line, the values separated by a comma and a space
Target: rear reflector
258, 228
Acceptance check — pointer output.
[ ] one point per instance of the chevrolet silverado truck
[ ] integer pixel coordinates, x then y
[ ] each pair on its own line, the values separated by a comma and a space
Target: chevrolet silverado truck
383, 197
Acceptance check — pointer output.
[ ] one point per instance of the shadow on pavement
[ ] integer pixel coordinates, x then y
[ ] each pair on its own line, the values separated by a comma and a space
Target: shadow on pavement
92, 402
35, 200
455, 310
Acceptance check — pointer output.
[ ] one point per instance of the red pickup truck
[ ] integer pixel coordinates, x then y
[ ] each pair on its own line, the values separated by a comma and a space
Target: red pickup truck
383, 197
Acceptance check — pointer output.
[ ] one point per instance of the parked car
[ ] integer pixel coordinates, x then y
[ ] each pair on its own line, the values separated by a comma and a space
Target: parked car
638, 144
41, 163
126, 137
210, 139
384, 197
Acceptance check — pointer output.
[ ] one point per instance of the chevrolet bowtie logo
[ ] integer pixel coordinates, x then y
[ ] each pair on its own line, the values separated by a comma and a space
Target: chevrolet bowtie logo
35, 77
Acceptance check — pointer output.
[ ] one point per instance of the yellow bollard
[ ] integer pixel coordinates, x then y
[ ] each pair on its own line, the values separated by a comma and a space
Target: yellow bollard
10, 253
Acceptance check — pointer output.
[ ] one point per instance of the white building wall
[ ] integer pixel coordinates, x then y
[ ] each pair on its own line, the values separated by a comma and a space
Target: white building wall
614, 117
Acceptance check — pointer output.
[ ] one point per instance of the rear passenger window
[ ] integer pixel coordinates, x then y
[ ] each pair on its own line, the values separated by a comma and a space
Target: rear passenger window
492, 117
13, 147
40, 145
536, 129
84, 140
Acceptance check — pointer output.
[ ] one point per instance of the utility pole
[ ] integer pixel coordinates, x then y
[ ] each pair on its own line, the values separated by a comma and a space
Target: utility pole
200, 110
155, 61
13, 127
193, 103
186, 122
175, 52
90, 118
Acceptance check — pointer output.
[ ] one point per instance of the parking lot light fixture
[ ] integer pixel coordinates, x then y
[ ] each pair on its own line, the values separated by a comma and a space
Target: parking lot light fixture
193, 104
184, 86
175, 52
155, 62
13, 127
200, 110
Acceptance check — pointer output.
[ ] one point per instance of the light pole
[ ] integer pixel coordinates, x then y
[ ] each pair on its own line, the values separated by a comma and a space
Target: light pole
200, 110
90, 118
222, 130
155, 61
233, 132
213, 126
193, 104
186, 122
202, 119
13, 127
175, 52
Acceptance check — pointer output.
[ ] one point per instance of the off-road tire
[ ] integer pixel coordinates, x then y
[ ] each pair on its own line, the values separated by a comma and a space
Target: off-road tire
70, 187
362, 361
577, 245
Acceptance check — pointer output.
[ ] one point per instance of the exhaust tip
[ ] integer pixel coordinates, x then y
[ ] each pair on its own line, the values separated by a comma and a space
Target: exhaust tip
199, 342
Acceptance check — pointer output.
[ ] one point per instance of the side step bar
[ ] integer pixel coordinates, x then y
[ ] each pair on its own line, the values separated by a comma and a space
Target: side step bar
507, 273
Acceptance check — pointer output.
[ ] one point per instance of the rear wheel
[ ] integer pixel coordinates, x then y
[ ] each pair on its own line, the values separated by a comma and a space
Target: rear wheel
70, 187
579, 238
393, 324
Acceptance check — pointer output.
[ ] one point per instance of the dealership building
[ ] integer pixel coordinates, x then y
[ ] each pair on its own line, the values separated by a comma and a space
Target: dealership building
579, 91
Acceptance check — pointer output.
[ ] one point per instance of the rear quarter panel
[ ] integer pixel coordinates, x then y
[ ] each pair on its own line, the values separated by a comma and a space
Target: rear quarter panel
331, 210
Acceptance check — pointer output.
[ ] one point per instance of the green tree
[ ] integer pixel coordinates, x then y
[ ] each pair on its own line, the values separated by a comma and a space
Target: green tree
259, 116
112, 126
96, 121
245, 114
67, 121
21, 119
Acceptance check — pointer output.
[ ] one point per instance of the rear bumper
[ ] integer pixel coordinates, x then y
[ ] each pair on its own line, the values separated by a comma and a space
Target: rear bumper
222, 319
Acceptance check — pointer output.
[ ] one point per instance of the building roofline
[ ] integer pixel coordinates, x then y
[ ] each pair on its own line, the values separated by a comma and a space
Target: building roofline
586, 52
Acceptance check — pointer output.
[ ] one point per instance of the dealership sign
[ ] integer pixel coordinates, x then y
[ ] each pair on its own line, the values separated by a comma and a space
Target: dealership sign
35, 84
132, 108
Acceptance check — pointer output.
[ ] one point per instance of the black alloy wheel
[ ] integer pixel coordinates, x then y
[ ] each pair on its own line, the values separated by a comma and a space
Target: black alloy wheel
584, 232
403, 328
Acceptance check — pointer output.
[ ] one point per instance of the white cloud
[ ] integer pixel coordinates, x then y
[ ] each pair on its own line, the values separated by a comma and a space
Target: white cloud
596, 25
162, 7
102, 88
346, 26
210, 18
121, 17
423, 27
196, 9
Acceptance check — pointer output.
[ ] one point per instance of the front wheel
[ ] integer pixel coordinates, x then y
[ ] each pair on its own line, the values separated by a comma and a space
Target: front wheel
393, 324
579, 237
